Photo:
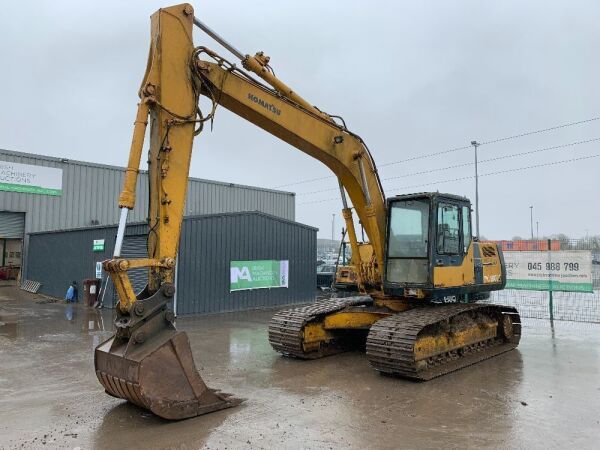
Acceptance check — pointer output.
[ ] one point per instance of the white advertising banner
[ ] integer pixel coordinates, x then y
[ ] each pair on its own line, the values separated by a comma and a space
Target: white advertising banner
30, 179
565, 270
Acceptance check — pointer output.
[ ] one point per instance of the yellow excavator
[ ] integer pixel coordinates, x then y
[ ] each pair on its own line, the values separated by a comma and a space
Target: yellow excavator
418, 276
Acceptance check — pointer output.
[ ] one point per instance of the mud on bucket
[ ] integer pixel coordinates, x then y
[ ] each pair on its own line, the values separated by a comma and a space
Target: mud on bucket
157, 374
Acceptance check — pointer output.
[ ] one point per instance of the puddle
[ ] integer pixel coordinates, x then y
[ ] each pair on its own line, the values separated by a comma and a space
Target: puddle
9, 329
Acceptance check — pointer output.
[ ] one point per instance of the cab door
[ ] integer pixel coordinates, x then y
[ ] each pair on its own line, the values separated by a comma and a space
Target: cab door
453, 249
448, 243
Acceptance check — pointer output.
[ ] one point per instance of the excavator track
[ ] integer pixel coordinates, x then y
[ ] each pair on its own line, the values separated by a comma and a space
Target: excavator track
286, 328
395, 344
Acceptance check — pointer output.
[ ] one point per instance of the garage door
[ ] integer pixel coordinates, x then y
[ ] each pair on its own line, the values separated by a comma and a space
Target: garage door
12, 225
135, 247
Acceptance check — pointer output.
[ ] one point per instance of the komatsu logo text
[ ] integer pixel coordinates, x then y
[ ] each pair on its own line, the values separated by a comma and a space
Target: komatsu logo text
271, 107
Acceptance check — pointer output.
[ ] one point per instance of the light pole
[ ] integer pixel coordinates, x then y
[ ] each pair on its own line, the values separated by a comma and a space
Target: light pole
332, 226
531, 220
476, 144
537, 230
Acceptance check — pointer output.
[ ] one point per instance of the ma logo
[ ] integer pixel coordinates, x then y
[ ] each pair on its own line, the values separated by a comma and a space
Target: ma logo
238, 274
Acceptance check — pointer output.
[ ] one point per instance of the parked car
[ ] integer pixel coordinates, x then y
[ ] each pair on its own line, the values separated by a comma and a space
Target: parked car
325, 274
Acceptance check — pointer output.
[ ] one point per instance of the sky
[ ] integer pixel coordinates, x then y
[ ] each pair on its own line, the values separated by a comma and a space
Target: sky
412, 78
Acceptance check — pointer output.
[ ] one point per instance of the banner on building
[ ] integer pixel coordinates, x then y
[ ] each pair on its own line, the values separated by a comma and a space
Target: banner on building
30, 179
258, 274
567, 270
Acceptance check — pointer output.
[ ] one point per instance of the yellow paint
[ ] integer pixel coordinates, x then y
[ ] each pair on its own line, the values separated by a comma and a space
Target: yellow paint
355, 275
427, 346
169, 100
346, 275
258, 64
314, 334
316, 136
492, 269
352, 320
127, 197
414, 293
393, 304
322, 332
124, 290
449, 276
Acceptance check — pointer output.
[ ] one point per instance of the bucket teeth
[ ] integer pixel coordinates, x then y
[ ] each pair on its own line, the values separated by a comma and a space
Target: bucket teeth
158, 375
150, 364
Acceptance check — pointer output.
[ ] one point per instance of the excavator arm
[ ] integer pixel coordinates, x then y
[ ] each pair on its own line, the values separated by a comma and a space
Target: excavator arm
148, 361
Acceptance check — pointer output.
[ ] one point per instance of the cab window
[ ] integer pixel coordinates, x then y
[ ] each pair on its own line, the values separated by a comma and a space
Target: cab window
448, 232
409, 229
466, 222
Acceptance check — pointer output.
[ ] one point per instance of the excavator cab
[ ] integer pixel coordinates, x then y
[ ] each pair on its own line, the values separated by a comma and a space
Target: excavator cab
430, 251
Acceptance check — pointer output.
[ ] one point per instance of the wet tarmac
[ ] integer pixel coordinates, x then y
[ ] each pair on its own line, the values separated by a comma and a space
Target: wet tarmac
546, 394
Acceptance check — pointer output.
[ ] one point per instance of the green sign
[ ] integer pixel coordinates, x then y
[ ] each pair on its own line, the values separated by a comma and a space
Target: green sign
29, 189
30, 179
549, 285
258, 274
98, 245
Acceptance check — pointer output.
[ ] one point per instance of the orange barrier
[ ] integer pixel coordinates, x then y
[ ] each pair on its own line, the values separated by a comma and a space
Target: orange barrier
528, 245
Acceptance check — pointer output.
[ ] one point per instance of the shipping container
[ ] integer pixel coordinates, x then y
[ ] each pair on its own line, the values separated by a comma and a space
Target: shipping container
528, 245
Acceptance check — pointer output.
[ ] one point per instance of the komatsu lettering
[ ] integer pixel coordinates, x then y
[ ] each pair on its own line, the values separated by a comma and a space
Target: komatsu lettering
271, 107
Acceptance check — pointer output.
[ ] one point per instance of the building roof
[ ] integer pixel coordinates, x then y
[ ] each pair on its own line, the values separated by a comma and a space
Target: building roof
192, 217
58, 160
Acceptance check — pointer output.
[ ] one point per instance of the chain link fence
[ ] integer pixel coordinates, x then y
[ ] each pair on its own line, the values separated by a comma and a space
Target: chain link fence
573, 306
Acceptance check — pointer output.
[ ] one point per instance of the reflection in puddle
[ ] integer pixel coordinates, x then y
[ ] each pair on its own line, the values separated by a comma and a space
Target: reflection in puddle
98, 337
70, 312
9, 329
237, 348
93, 325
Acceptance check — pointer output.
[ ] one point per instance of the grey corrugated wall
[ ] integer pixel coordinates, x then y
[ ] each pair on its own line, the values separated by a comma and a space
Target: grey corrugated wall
57, 258
207, 245
90, 193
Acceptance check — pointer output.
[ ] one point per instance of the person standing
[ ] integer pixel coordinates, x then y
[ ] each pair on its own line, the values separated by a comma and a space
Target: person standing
75, 292
70, 294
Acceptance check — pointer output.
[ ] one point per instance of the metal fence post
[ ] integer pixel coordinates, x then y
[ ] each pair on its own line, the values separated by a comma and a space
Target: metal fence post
551, 306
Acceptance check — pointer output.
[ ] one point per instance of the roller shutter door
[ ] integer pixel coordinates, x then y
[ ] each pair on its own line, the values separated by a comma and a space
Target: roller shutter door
135, 247
12, 225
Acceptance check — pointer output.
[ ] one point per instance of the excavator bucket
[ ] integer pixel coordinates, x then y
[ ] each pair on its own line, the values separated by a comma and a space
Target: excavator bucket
154, 369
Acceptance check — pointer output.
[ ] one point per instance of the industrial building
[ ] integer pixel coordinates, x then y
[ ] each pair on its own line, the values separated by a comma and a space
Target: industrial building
41, 193
208, 246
